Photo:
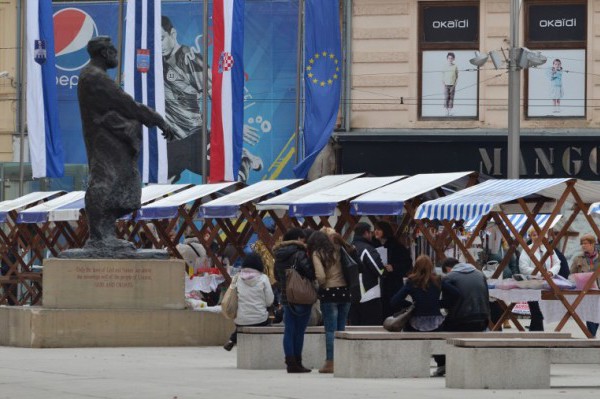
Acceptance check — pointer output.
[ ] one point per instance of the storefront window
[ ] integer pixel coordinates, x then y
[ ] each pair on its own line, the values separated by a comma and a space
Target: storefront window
449, 35
557, 89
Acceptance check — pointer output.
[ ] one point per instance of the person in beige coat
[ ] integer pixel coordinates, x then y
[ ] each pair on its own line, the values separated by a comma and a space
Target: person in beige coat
324, 251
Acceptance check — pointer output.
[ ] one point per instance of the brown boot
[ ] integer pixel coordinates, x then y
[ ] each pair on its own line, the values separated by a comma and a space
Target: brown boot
292, 365
299, 361
327, 367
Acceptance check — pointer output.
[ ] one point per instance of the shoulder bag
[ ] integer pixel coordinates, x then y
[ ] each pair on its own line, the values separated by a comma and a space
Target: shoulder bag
298, 289
229, 304
351, 274
398, 321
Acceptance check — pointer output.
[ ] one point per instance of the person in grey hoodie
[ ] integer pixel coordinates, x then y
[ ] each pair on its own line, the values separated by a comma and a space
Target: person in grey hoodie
254, 296
469, 304
466, 296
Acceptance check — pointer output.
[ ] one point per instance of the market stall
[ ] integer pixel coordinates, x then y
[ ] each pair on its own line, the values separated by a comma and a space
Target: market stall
165, 221
236, 218
404, 196
15, 247
281, 203
496, 199
331, 207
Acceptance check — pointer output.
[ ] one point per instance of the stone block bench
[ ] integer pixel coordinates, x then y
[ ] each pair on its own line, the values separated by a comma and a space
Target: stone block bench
261, 348
517, 363
382, 354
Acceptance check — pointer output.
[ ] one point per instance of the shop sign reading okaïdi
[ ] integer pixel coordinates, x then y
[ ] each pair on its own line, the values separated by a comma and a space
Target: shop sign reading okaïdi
557, 22
447, 23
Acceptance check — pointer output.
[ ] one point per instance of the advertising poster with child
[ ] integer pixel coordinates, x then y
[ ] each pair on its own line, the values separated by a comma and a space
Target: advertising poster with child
557, 88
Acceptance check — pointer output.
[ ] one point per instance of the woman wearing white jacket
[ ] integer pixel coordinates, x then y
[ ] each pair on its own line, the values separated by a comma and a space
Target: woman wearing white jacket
254, 296
527, 267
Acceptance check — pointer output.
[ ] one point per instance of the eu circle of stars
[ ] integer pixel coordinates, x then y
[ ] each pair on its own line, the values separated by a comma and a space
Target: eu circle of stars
318, 63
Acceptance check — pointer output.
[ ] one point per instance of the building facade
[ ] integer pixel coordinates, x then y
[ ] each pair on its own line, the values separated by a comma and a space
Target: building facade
419, 105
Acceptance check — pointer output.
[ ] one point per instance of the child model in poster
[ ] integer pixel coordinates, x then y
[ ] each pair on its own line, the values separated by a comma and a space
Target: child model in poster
449, 78
556, 87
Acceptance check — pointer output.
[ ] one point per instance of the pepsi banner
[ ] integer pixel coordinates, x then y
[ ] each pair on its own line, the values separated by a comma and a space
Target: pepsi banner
269, 74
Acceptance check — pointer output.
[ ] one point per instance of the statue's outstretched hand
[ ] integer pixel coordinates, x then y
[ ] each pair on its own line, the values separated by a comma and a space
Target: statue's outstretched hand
168, 132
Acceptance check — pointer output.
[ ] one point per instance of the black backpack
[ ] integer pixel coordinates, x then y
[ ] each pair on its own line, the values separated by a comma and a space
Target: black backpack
350, 268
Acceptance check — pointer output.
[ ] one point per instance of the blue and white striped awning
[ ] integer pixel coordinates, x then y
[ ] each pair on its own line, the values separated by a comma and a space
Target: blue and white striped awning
229, 205
479, 200
389, 200
284, 200
518, 220
41, 213
325, 202
23, 202
167, 208
594, 208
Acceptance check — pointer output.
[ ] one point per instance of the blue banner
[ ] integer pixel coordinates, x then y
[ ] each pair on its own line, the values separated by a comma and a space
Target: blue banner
269, 92
322, 77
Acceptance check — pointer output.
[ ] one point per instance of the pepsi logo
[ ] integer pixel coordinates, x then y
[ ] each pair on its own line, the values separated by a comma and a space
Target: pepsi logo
73, 29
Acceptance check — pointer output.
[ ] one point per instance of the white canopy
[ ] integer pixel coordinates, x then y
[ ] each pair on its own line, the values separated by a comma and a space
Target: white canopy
489, 196
284, 200
41, 213
389, 200
228, 205
24, 201
323, 203
167, 207
155, 191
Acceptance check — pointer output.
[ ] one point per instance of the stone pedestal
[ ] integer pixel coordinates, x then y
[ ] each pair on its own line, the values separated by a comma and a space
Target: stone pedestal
112, 302
114, 284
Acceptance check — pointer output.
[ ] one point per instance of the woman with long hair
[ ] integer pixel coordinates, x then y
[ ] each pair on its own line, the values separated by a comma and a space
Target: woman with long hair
324, 251
291, 253
425, 288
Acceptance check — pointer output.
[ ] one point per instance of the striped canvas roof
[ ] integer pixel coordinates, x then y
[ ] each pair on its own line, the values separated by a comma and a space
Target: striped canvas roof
479, 200
518, 220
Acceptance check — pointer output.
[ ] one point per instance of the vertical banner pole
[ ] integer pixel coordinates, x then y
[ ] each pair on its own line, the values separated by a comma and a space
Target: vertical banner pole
204, 140
298, 79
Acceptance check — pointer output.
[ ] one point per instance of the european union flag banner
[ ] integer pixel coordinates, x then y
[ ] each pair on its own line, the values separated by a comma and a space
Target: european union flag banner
227, 116
143, 78
45, 142
322, 78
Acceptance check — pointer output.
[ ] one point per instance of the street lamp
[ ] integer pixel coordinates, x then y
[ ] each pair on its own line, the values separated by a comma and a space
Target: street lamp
518, 58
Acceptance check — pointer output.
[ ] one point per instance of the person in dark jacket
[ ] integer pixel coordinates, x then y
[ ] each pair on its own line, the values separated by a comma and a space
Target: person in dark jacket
398, 265
467, 300
466, 296
369, 310
424, 287
291, 252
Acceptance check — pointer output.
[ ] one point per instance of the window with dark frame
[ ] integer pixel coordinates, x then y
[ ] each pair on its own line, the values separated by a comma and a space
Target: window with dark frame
448, 37
557, 28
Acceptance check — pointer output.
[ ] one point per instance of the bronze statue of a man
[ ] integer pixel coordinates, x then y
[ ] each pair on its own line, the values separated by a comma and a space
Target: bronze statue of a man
112, 129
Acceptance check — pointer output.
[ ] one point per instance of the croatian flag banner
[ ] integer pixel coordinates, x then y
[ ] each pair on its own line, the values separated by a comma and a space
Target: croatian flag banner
45, 141
143, 80
227, 116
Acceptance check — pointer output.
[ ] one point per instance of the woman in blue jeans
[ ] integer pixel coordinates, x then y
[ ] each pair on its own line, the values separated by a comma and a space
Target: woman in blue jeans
291, 252
324, 249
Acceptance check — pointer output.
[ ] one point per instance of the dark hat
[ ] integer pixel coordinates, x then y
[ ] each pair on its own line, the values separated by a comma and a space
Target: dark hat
253, 261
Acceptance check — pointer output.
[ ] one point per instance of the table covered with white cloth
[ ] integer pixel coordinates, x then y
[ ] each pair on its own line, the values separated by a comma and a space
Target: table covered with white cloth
553, 310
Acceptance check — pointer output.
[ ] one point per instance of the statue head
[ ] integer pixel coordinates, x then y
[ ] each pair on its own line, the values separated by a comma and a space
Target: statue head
102, 50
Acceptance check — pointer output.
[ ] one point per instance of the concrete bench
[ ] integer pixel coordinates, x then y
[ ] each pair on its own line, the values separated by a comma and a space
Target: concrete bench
261, 348
372, 354
477, 363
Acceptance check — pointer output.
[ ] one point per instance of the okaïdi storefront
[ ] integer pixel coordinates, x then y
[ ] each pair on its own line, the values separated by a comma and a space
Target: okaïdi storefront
553, 95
